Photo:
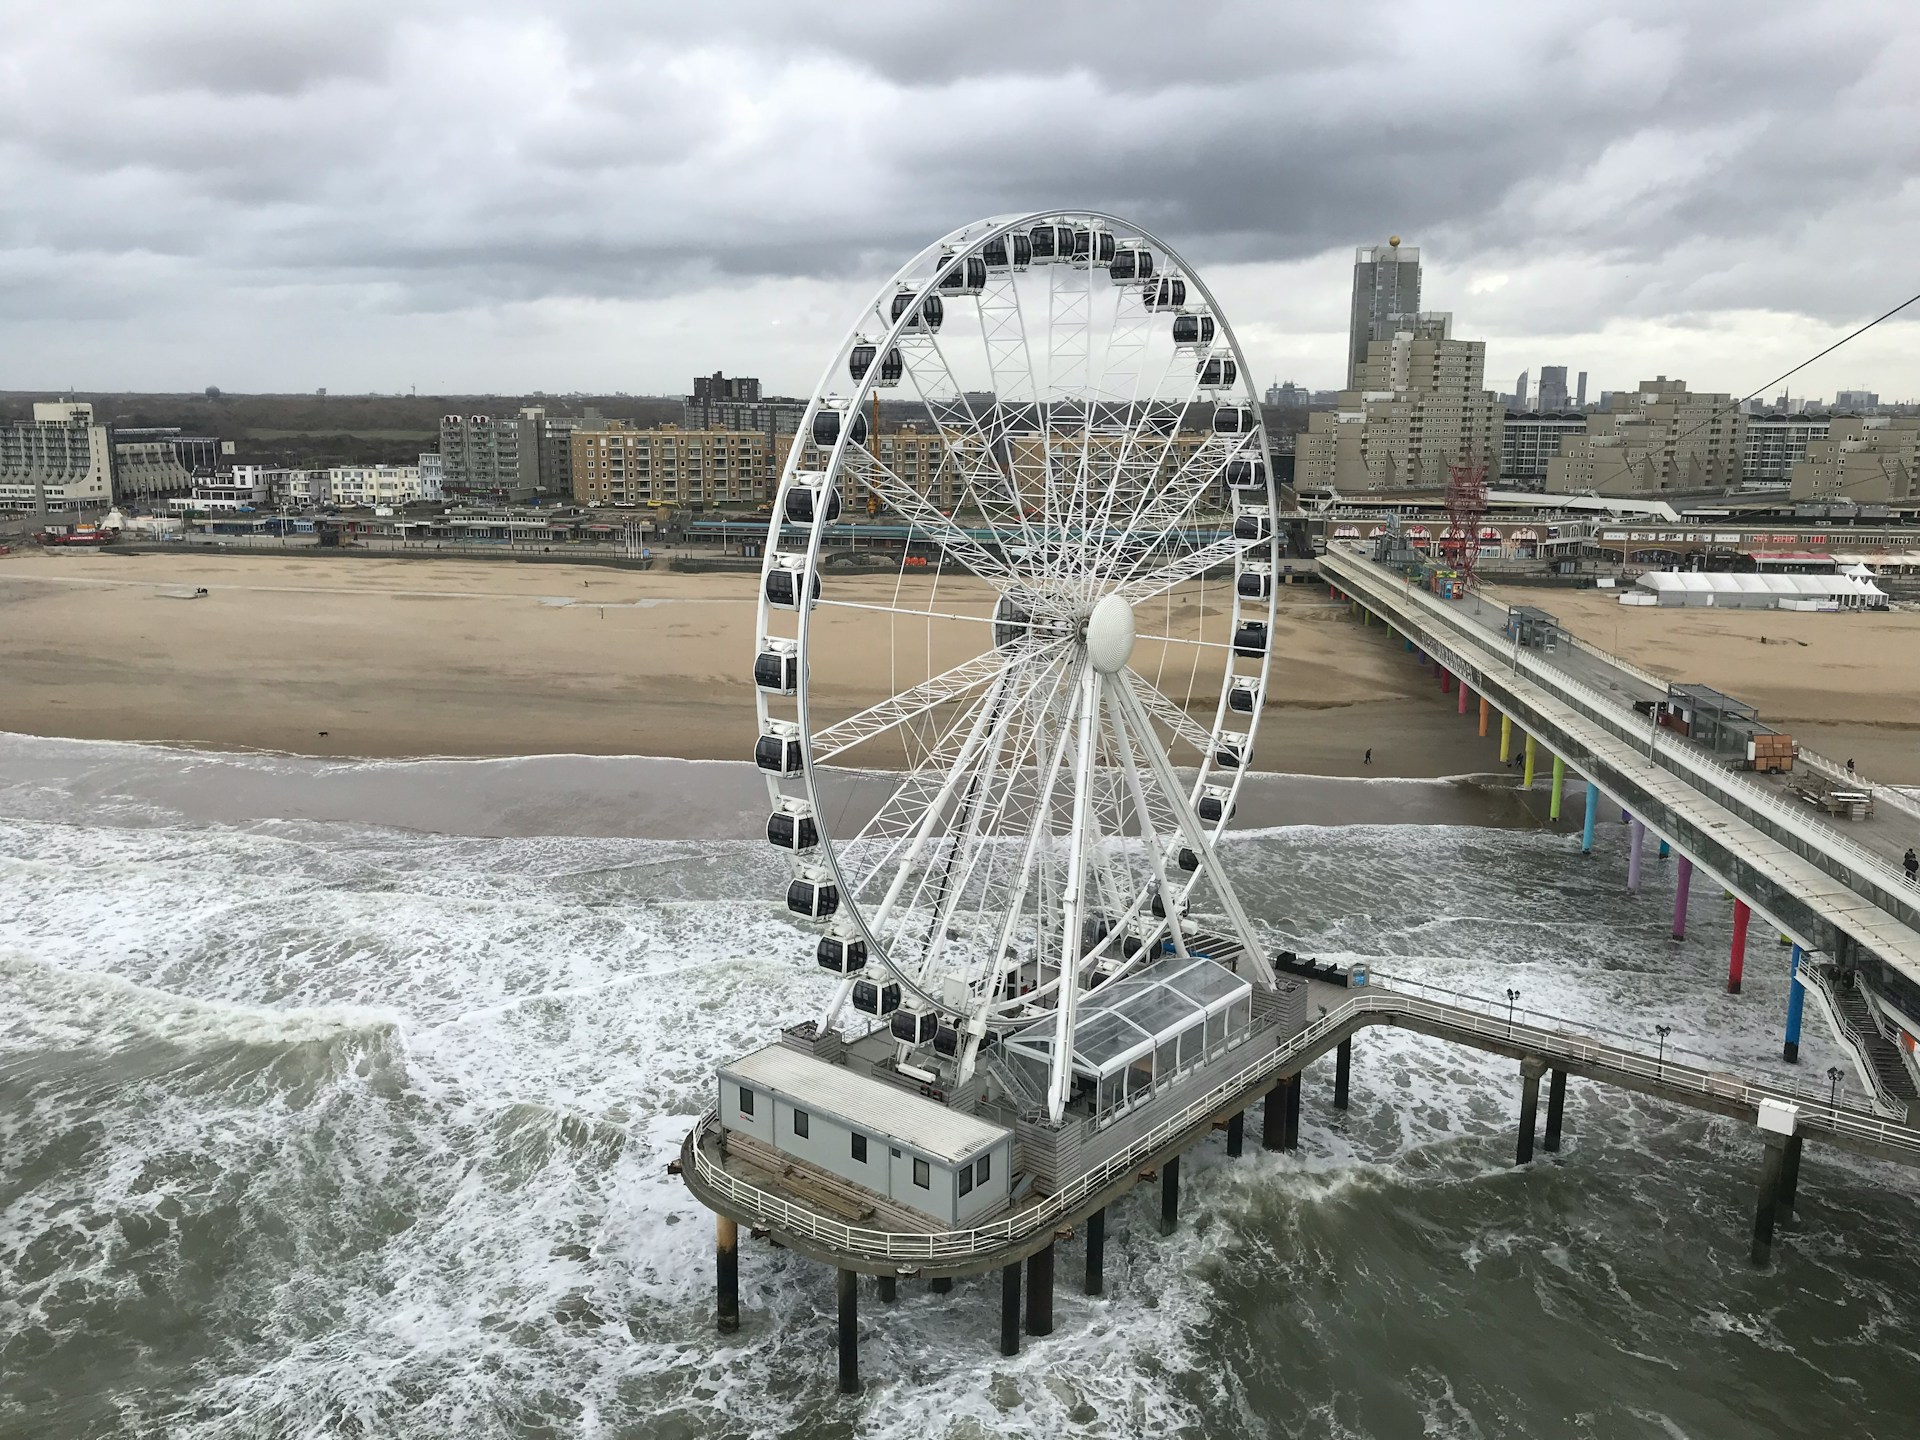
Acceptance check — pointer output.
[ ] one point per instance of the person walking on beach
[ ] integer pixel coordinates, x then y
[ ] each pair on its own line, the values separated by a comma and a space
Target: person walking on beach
1912, 863
1849, 767
1369, 761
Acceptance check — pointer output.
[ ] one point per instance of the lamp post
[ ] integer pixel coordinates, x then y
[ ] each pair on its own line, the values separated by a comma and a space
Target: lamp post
1833, 1086
1661, 1064
1512, 995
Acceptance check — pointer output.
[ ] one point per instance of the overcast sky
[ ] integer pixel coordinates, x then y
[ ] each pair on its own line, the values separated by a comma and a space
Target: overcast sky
502, 197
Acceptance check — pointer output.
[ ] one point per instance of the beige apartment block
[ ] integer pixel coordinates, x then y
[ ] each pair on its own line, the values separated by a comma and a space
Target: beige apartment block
1662, 437
59, 462
619, 465
1867, 458
1418, 410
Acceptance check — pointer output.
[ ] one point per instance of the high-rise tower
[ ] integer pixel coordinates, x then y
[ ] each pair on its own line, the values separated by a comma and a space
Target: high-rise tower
1386, 298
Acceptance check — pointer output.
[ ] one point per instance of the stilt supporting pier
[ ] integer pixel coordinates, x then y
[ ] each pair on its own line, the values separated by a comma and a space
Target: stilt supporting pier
1506, 738
1040, 1292
1526, 774
1737, 961
1636, 842
1293, 1113
1531, 1070
1010, 1309
1789, 1179
1593, 813
1484, 708
1556, 1109
1796, 1002
1170, 1195
1446, 681
1559, 784
1097, 1252
1665, 850
889, 1288
1766, 1202
1342, 1072
726, 1273
943, 1285
1683, 882
1236, 1134
849, 1332
1463, 700
1273, 1116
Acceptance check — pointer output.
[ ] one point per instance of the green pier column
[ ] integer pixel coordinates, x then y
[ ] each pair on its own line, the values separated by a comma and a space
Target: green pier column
1506, 738
1559, 782
1527, 772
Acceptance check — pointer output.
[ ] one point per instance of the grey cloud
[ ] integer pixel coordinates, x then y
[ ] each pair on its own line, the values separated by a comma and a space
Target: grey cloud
1680, 160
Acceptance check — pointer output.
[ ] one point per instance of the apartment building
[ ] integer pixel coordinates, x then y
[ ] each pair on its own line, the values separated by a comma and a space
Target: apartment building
148, 473
1529, 442
1773, 445
619, 465
58, 463
1661, 437
1862, 458
483, 460
1386, 299
370, 485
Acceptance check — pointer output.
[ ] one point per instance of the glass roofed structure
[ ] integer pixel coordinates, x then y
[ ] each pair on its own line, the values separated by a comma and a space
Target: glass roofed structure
1136, 1035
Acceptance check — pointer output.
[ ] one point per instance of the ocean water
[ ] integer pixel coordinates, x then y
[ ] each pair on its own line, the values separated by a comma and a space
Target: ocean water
337, 1099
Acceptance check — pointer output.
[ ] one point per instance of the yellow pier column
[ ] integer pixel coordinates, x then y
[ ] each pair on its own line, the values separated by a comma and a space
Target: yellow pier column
1506, 738
1528, 772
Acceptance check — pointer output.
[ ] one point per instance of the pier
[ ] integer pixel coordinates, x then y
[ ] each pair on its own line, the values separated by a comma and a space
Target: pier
858, 1235
1840, 900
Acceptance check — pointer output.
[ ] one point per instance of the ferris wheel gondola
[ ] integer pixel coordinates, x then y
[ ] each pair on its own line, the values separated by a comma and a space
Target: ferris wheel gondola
1071, 652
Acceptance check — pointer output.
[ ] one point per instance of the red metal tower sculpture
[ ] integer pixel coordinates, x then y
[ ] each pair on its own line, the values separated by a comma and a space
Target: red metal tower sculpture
1466, 508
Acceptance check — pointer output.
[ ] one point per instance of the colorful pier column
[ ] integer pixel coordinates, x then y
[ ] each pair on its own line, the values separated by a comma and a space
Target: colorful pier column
1637, 839
1559, 783
1737, 962
1664, 852
1463, 698
1593, 812
1796, 1002
1446, 680
1682, 883
1527, 772
1409, 642
1484, 708
1506, 738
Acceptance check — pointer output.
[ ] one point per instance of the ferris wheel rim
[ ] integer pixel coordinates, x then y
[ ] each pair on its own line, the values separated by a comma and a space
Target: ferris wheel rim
947, 253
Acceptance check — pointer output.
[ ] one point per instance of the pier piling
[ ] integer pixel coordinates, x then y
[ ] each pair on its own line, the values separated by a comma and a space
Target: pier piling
1527, 770
1040, 1292
1463, 699
1506, 738
1342, 1072
1484, 708
1772, 1159
1170, 1195
1737, 961
849, 1332
1273, 1119
1796, 1003
1593, 812
889, 1288
1665, 850
941, 1285
726, 1268
1236, 1134
1097, 1252
1531, 1070
1559, 784
1010, 1309
1636, 842
1556, 1107
1789, 1178
1683, 882
1293, 1112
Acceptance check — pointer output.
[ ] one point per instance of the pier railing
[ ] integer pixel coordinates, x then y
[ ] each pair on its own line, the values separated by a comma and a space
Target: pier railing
1868, 875
1550, 1040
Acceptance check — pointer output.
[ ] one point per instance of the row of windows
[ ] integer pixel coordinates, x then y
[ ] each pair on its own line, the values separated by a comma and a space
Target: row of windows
977, 1173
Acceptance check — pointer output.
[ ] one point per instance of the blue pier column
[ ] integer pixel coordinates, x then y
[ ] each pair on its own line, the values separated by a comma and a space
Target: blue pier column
1593, 811
1636, 841
1663, 850
1796, 1002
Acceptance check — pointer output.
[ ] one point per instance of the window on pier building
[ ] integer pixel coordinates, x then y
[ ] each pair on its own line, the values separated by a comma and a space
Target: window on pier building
859, 1147
746, 1101
800, 1123
922, 1174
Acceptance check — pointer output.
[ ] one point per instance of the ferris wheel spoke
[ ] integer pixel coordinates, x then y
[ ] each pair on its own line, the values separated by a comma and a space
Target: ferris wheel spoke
906, 500
969, 675
1138, 589
1173, 716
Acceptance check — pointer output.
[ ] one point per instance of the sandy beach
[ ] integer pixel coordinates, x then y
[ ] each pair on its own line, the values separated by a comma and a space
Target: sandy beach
1847, 684
381, 657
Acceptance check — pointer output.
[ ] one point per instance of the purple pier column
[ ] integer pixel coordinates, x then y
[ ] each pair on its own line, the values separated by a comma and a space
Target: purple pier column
1636, 840
1680, 888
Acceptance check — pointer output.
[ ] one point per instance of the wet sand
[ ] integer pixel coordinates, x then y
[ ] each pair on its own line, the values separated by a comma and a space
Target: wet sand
387, 658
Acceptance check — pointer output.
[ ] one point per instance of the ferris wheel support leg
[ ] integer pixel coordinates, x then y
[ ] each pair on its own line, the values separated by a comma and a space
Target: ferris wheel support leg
1177, 797
1155, 856
836, 1004
1066, 1001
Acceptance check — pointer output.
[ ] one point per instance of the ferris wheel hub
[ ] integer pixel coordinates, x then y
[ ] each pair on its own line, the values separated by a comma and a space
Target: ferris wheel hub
1110, 634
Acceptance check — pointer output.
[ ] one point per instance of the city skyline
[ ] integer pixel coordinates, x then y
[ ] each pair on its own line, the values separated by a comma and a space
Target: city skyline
483, 201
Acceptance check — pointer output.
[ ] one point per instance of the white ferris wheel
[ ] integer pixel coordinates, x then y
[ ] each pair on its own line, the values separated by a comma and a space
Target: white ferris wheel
1061, 585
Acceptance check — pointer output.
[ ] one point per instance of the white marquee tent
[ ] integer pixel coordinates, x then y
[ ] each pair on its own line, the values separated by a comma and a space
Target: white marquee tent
1756, 592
